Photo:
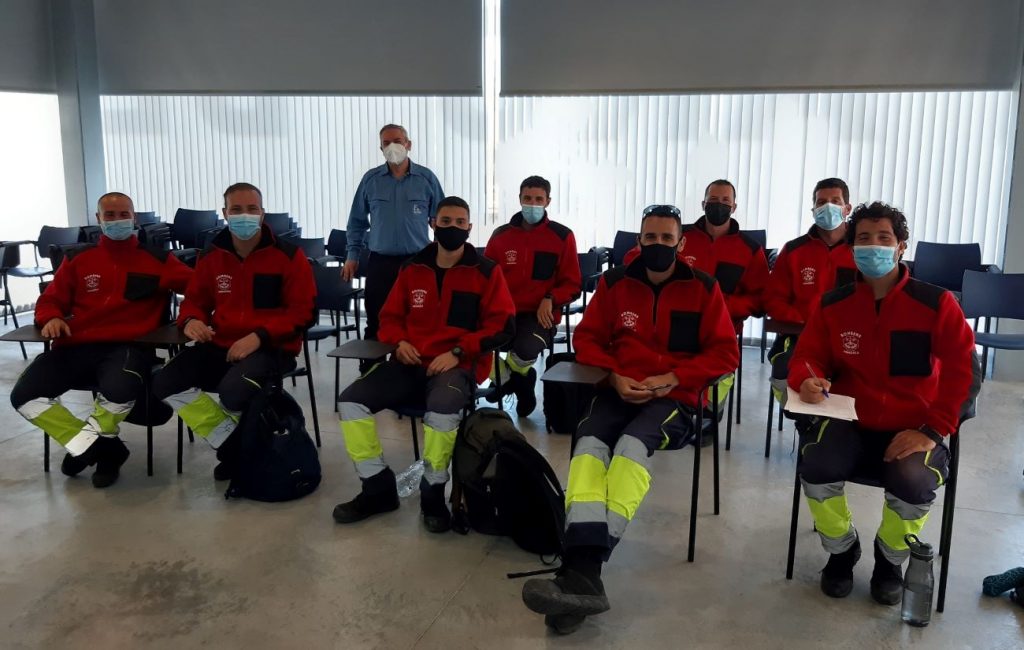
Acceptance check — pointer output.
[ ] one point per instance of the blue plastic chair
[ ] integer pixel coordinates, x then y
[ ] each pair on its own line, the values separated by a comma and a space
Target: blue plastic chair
624, 241
760, 236
993, 295
944, 264
188, 224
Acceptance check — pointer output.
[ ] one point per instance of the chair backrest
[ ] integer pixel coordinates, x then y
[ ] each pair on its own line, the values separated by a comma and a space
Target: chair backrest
760, 236
156, 235
10, 257
55, 235
590, 269
364, 262
332, 293
88, 234
624, 241
143, 218
278, 222
58, 252
992, 294
204, 238
944, 264
189, 223
313, 247
337, 243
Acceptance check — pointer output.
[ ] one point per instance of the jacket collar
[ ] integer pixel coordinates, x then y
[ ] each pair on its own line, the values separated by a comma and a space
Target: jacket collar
428, 256
414, 170
638, 271
517, 220
700, 224
223, 240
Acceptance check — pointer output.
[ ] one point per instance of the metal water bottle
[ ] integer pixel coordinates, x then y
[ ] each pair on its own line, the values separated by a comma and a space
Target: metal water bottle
918, 583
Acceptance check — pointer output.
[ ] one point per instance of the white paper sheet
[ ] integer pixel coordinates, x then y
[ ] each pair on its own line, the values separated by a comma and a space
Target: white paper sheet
839, 407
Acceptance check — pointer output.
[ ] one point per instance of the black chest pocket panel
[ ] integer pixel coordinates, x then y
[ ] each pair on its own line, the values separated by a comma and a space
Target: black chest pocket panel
544, 265
464, 310
140, 286
845, 276
266, 290
910, 354
728, 276
684, 332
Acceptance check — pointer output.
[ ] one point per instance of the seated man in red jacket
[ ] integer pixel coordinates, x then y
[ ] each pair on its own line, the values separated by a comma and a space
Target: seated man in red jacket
808, 266
448, 310
715, 245
663, 331
538, 258
903, 350
247, 307
100, 300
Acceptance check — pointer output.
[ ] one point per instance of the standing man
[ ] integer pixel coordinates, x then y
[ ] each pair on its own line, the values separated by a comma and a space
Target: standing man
393, 203
247, 307
449, 310
662, 331
904, 351
100, 300
810, 265
538, 258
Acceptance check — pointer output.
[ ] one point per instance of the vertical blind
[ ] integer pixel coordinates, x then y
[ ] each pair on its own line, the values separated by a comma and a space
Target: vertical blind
306, 154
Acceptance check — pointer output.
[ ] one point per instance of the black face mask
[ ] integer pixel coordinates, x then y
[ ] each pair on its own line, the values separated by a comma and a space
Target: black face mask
717, 213
658, 257
451, 238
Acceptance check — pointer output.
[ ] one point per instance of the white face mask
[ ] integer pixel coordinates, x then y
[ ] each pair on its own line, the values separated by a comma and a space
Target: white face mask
395, 153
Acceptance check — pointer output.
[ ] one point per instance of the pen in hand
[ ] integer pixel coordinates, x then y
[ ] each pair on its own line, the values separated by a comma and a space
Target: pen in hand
814, 376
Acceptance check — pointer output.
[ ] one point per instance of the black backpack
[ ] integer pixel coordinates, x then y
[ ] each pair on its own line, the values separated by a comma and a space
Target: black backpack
503, 486
277, 460
564, 404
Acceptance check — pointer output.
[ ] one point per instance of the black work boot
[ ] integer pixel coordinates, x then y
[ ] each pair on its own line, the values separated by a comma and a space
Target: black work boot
436, 516
379, 494
508, 386
75, 465
886, 579
224, 471
228, 454
837, 576
575, 593
111, 453
526, 393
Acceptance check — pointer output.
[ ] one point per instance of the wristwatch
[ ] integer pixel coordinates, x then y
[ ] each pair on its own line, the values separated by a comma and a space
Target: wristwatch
457, 351
549, 296
931, 433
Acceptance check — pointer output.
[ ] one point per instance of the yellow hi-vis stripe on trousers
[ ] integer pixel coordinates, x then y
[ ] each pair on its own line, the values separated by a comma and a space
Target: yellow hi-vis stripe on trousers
59, 423
204, 415
628, 477
107, 416
900, 518
437, 454
361, 442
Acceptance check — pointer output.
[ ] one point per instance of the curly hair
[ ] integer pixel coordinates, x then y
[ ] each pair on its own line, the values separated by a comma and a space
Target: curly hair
875, 211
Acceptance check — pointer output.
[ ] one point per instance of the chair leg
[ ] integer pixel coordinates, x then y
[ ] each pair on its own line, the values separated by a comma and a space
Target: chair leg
949, 502
46, 452
793, 522
415, 439
149, 439
312, 393
780, 417
694, 492
191, 436
768, 430
14, 316
181, 442
337, 382
714, 396
739, 383
728, 425
764, 342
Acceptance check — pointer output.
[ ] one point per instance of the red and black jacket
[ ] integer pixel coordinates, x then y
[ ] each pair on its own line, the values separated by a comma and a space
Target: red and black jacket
806, 268
537, 262
112, 291
471, 309
270, 293
639, 330
734, 259
908, 360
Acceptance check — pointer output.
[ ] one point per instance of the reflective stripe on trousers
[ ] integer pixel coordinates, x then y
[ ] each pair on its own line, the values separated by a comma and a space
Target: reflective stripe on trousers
205, 416
359, 431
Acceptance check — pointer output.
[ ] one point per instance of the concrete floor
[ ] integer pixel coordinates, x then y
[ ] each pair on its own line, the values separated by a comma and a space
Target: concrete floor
167, 562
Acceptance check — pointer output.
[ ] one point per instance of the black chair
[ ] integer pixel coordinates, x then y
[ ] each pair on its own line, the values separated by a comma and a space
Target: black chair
624, 241
337, 247
944, 264
57, 253
189, 223
780, 329
90, 234
338, 298
993, 295
8, 257
590, 272
759, 236
280, 224
871, 479
156, 235
313, 247
48, 236
146, 218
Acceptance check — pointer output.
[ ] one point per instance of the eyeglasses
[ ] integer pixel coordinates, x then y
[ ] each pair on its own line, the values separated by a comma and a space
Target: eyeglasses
661, 208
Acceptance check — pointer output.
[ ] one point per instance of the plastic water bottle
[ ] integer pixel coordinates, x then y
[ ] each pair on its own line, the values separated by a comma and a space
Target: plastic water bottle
918, 584
408, 480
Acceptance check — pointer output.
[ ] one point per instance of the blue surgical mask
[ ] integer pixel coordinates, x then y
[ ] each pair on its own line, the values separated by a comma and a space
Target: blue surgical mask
874, 261
244, 226
118, 230
828, 216
533, 213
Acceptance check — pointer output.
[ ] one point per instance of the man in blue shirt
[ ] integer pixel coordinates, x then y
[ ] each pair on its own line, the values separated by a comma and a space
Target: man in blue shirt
390, 215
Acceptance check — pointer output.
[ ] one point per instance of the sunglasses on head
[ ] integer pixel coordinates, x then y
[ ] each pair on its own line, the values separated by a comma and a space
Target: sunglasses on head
661, 208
